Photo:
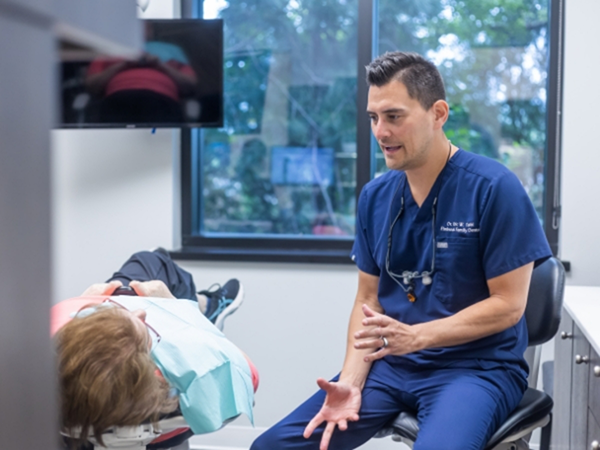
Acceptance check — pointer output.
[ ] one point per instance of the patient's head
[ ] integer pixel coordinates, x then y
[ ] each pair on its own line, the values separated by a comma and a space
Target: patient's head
106, 375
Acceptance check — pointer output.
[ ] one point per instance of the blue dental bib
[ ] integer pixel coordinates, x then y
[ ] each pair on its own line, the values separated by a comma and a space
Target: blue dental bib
211, 374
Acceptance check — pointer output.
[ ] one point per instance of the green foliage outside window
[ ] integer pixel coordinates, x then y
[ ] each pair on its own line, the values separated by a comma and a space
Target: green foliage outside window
291, 78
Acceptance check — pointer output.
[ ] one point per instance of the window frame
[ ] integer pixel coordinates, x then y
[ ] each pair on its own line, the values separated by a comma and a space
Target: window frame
263, 248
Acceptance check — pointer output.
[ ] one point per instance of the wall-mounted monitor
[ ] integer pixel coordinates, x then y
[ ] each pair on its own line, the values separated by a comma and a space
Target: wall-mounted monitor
176, 82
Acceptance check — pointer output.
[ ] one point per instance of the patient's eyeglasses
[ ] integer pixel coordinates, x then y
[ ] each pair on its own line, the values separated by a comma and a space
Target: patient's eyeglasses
154, 336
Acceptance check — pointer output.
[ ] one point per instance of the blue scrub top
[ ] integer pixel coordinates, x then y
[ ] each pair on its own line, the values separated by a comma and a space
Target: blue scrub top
485, 226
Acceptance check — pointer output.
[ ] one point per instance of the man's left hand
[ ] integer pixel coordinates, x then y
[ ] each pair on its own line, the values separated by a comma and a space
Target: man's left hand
400, 338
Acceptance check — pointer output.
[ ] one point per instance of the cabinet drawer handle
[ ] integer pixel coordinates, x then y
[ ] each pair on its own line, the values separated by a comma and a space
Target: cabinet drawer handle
582, 359
597, 371
565, 335
595, 445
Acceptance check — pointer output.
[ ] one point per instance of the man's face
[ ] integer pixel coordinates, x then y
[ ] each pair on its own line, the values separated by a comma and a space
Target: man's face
402, 127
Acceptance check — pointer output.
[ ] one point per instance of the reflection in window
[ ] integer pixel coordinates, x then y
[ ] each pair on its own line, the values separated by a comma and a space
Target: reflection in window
284, 163
493, 56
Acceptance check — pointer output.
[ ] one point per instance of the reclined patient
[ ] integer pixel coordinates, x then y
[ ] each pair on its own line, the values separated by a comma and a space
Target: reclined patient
127, 359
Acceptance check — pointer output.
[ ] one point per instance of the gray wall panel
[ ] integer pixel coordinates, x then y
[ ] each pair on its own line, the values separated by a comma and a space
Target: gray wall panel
27, 380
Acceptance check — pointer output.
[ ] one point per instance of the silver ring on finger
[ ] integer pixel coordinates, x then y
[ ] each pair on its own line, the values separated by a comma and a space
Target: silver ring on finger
385, 341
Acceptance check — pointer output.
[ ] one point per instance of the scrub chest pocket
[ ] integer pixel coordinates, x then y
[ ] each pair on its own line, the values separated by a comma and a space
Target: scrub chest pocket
459, 280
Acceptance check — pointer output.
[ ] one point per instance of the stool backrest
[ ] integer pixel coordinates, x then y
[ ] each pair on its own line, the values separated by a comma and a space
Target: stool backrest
544, 301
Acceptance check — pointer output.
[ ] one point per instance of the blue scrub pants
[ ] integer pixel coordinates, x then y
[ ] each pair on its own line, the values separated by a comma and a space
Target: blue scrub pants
156, 265
458, 408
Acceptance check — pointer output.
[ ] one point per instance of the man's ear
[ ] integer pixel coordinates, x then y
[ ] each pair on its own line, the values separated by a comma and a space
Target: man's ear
441, 111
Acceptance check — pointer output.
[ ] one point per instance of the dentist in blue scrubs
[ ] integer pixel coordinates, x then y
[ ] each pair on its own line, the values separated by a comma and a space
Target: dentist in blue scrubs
445, 245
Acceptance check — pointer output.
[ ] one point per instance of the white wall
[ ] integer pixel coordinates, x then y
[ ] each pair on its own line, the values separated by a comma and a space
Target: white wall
581, 155
112, 192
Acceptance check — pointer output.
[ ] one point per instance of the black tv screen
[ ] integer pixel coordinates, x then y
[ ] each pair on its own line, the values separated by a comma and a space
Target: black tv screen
176, 82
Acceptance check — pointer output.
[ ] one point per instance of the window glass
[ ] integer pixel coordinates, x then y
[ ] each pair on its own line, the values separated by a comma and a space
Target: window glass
279, 181
493, 56
285, 161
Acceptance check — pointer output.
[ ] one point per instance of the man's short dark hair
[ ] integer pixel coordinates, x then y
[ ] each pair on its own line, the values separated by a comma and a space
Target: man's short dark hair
420, 76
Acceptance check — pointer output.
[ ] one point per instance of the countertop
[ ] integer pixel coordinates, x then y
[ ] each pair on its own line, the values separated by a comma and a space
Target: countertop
583, 305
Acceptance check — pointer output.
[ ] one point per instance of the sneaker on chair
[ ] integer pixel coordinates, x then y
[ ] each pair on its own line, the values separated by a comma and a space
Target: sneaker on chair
222, 301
